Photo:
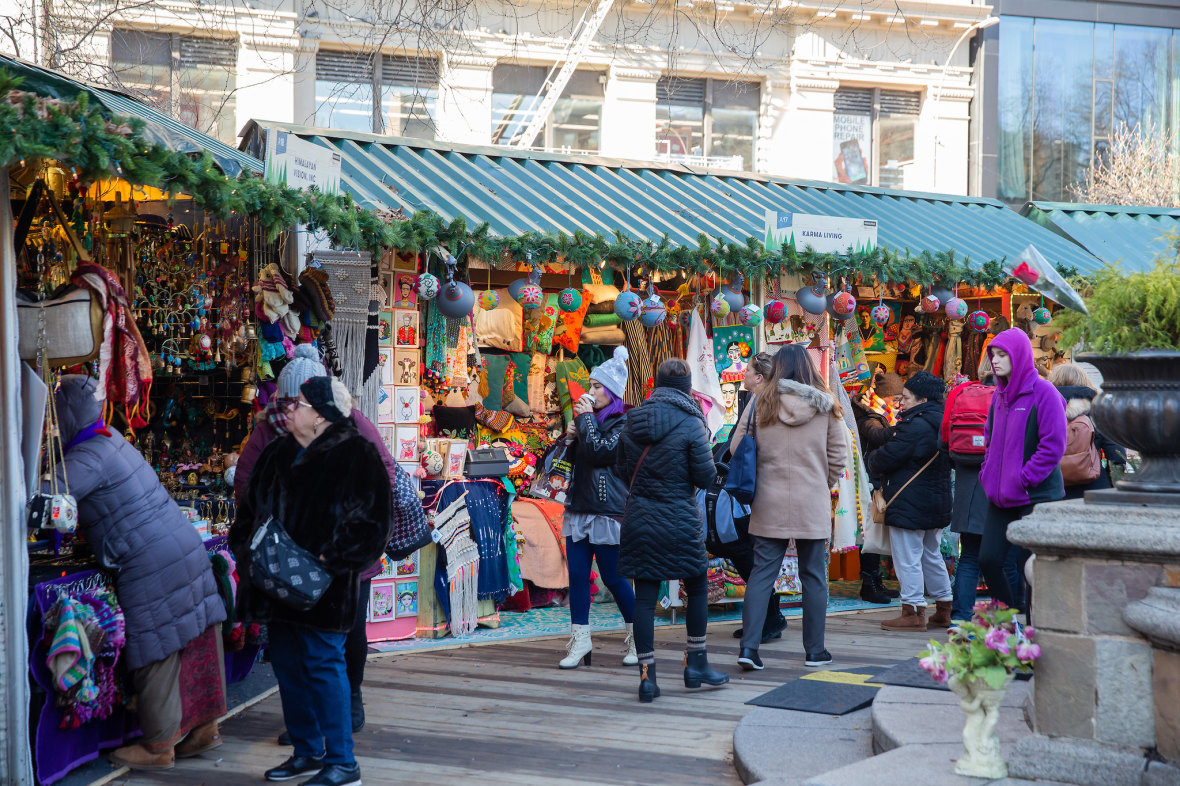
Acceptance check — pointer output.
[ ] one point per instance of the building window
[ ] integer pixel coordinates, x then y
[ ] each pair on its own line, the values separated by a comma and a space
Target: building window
386, 94
191, 78
1065, 88
707, 122
873, 136
573, 126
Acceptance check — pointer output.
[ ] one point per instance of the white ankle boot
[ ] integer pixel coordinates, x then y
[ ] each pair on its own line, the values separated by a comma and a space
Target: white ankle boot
630, 658
578, 648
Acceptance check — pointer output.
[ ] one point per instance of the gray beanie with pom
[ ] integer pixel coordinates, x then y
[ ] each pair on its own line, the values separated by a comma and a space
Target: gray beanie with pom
613, 373
305, 365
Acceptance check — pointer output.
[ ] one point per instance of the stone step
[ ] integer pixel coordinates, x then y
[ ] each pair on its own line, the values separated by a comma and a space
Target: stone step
916, 716
785, 747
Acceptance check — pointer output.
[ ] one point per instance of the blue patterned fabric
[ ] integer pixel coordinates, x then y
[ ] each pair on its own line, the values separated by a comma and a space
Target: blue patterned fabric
487, 504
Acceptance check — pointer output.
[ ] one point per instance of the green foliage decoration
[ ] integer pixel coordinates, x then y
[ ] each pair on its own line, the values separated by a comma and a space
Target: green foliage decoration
1128, 311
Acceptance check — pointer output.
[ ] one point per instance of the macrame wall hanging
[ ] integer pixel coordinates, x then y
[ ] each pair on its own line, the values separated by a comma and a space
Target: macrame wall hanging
452, 532
353, 278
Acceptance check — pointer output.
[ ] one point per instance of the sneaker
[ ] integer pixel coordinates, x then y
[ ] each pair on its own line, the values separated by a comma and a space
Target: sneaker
294, 767
822, 658
749, 660
336, 775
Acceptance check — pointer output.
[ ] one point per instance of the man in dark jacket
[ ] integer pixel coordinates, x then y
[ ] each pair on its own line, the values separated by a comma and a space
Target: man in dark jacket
163, 577
665, 457
916, 480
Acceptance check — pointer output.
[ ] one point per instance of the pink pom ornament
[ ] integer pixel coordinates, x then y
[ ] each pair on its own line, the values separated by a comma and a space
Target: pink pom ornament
843, 304
775, 312
881, 314
720, 307
531, 296
488, 299
930, 304
979, 321
956, 308
569, 300
1042, 316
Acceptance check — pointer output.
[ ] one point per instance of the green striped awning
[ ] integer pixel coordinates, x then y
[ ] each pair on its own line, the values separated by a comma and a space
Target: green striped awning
1131, 237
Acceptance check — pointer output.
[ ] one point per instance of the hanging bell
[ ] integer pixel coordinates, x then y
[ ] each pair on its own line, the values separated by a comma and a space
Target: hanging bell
251, 332
247, 373
249, 393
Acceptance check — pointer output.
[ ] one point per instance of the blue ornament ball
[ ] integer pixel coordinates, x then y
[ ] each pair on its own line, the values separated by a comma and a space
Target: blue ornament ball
628, 306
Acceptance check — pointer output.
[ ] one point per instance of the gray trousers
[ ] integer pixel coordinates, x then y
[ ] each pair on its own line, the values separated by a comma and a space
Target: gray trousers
768, 559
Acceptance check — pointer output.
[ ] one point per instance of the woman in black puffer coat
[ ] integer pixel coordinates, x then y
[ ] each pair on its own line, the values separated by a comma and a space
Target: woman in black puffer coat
664, 455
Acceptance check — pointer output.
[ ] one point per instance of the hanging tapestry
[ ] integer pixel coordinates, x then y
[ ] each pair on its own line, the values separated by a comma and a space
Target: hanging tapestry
452, 532
352, 276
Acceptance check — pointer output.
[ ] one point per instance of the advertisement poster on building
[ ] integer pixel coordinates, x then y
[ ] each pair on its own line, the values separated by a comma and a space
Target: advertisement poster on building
852, 148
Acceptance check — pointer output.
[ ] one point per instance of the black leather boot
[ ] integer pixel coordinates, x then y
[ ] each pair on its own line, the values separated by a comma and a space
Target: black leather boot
697, 670
892, 593
870, 592
648, 689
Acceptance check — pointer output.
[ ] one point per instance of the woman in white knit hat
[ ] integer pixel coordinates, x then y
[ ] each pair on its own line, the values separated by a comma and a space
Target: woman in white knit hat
594, 505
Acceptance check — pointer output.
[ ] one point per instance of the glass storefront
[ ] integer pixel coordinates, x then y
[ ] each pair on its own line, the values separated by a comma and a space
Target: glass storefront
707, 122
405, 105
1065, 87
573, 125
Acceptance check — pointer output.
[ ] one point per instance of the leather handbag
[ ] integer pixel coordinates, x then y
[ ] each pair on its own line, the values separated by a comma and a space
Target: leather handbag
68, 328
410, 531
284, 570
743, 466
879, 503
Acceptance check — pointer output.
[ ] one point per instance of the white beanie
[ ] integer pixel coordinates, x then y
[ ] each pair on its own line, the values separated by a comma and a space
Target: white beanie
305, 365
613, 373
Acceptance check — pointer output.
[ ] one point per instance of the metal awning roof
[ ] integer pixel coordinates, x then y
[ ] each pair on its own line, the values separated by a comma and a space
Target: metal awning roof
518, 191
158, 127
1131, 237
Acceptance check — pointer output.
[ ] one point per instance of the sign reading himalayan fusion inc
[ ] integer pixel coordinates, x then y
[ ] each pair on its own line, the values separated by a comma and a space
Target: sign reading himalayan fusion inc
823, 234
302, 164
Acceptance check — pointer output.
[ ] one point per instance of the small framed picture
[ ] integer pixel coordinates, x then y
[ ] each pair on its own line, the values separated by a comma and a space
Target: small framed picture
388, 568
408, 567
385, 328
406, 405
386, 360
406, 372
405, 261
407, 598
456, 459
388, 436
410, 468
385, 410
404, 295
405, 328
386, 282
387, 261
383, 601
407, 443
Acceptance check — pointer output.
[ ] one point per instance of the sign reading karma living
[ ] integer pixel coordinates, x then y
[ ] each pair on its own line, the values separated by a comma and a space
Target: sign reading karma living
823, 234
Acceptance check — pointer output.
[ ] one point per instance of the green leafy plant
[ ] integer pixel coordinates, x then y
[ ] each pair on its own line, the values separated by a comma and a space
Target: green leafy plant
989, 648
1128, 311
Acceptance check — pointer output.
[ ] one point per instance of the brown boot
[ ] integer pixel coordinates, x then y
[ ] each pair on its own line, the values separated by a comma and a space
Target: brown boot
137, 757
942, 615
203, 738
912, 618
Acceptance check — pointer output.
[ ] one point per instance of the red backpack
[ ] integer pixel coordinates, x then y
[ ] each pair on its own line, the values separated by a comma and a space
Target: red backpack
968, 418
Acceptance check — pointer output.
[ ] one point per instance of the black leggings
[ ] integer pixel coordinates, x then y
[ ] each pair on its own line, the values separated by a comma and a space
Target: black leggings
356, 646
696, 616
993, 553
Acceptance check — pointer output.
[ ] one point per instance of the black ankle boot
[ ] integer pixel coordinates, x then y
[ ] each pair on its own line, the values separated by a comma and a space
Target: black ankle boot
891, 593
358, 712
697, 670
648, 689
870, 592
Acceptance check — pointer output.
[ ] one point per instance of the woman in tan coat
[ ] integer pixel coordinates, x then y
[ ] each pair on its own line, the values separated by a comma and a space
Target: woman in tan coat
802, 451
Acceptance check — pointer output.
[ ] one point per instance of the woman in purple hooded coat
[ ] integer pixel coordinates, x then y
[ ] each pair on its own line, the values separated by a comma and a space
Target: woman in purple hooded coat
1025, 431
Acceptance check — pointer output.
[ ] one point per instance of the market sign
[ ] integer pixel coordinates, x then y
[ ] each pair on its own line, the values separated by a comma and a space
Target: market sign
824, 234
301, 164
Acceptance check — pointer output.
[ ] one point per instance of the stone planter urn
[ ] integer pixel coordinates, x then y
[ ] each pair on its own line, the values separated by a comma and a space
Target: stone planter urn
1139, 407
981, 702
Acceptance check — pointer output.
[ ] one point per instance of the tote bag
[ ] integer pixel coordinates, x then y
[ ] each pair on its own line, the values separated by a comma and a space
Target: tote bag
743, 466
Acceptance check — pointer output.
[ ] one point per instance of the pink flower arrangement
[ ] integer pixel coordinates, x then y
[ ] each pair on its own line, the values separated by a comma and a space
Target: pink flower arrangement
997, 639
989, 648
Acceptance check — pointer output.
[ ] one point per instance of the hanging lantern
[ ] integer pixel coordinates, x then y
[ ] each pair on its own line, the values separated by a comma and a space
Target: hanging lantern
732, 292
956, 308
775, 312
427, 286
881, 314
569, 300
654, 311
720, 307
628, 306
843, 304
530, 296
750, 315
488, 299
814, 299
979, 321
1042, 316
929, 304
456, 300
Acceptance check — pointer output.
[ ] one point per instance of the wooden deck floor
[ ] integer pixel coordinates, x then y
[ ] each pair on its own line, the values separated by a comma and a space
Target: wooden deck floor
504, 714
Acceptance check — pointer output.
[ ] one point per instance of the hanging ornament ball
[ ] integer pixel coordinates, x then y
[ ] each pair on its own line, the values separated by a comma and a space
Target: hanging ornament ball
456, 300
844, 304
942, 293
956, 308
775, 312
488, 299
1042, 316
569, 300
881, 314
515, 287
433, 463
813, 299
628, 306
979, 321
750, 315
720, 307
686, 317
427, 286
206, 343
531, 296
930, 304
654, 311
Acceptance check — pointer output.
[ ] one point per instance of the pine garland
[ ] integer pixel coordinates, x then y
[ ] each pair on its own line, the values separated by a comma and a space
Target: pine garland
97, 146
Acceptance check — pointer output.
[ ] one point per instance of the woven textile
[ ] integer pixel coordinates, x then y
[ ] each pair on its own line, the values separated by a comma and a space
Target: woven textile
452, 530
639, 366
351, 276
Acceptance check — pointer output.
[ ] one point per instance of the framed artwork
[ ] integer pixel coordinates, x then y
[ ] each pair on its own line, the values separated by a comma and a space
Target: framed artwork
386, 360
410, 467
403, 293
407, 443
385, 412
407, 598
405, 327
385, 328
456, 459
405, 261
406, 372
406, 405
383, 601
386, 281
388, 568
388, 436
387, 261
408, 567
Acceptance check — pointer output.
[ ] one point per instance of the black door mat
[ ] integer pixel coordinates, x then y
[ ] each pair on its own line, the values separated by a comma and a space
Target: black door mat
908, 674
825, 692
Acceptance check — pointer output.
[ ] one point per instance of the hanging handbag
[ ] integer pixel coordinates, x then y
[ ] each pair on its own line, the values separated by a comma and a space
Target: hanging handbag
58, 509
743, 466
879, 503
69, 327
410, 530
284, 570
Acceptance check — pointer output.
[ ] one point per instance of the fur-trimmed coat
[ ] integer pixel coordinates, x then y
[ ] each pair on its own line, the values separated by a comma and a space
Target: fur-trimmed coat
801, 456
334, 500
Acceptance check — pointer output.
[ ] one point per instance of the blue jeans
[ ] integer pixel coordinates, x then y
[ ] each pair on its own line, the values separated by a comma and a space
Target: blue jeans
967, 575
578, 555
313, 685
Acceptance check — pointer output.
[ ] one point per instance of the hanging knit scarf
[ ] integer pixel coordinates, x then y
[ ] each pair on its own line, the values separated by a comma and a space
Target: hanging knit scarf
452, 532
352, 278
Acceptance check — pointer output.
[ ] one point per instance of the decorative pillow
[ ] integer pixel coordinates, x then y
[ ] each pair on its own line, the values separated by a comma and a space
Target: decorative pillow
607, 334
600, 293
571, 371
538, 326
601, 320
536, 383
502, 326
496, 421
496, 368
570, 325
